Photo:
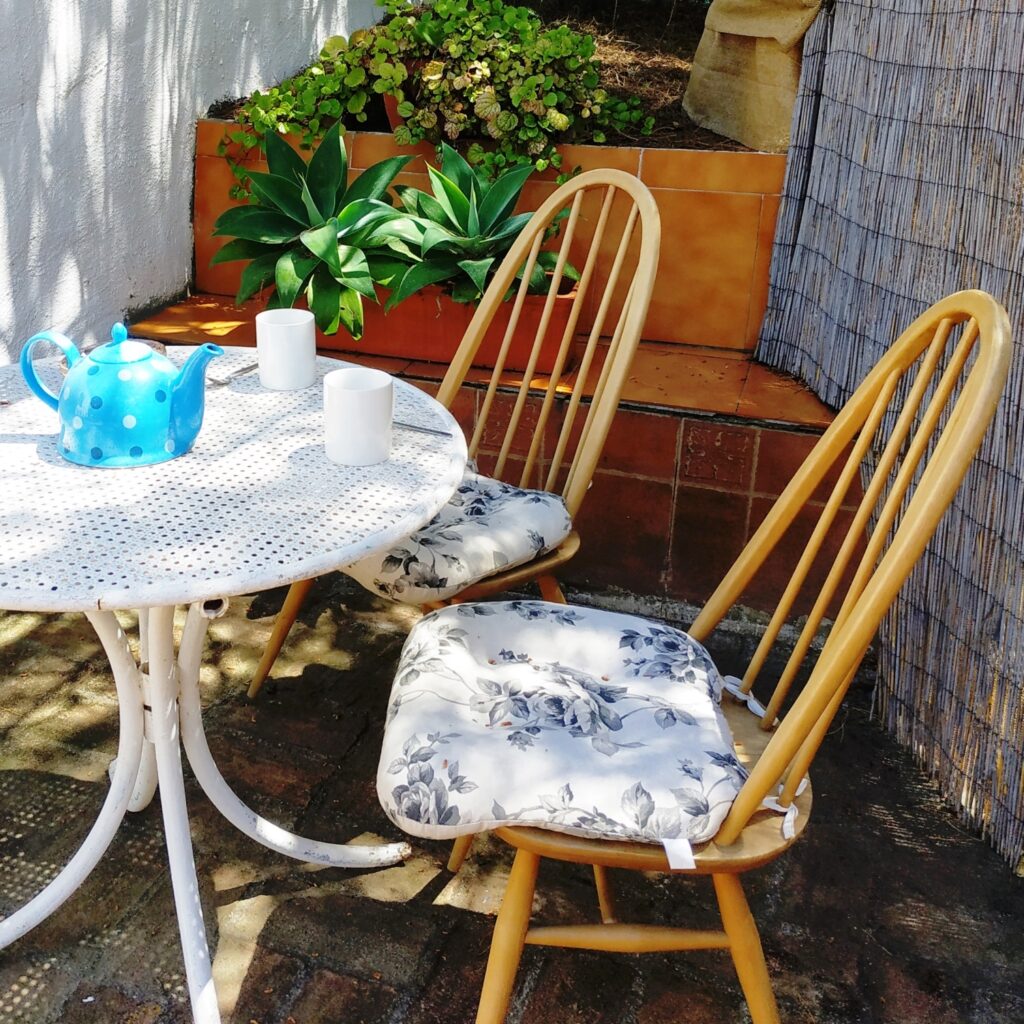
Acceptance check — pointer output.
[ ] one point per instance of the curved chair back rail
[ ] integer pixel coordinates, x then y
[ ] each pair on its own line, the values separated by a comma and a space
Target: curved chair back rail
927, 401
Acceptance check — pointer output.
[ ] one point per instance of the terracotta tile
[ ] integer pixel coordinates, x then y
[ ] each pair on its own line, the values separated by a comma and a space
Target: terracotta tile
587, 158
369, 148
702, 291
712, 171
767, 586
624, 526
512, 471
781, 455
675, 378
212, 182
209, 133
717, 455
642, 444
762, 266
708, 533
200, 319
773, 396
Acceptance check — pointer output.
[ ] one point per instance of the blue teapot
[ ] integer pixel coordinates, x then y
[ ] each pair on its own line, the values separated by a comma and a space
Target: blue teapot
123, 403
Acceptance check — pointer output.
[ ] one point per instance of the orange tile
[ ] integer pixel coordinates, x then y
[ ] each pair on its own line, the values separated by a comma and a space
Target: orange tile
213, 179
762, 266
587, 158
642, 444
718, 455
770, 395
209, 133
369, 148
675, 377
712, 171
702, 291
200, 319
708, 533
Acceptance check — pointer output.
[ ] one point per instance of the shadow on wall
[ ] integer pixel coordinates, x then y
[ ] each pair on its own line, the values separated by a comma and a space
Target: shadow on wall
97, 109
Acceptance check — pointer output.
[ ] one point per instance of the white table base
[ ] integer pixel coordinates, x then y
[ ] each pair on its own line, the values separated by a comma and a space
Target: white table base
159, 713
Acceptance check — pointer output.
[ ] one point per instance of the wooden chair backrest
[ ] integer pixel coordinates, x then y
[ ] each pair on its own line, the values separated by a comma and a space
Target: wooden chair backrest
618, 213
914, 423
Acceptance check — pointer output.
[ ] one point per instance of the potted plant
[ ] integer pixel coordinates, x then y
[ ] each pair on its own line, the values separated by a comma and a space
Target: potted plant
312, 234
480, 72
309, 235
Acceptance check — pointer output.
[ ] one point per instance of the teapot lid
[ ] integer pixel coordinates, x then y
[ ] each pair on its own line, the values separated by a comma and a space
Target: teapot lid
121, 348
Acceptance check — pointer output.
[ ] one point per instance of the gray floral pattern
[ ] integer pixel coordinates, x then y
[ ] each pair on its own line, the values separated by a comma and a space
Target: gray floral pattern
485, 527
574, 719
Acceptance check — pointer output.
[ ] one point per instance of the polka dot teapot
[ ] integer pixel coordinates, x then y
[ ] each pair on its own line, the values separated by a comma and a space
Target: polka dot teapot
123, 403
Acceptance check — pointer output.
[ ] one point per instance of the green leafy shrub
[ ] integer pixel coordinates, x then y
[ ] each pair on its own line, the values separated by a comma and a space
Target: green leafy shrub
468, 226
311, 233
477, 71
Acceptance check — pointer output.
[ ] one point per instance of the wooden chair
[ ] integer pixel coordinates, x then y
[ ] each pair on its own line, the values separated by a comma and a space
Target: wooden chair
613, 232
912, 428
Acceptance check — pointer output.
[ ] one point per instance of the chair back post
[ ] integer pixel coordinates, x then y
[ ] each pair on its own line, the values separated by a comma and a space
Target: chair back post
897, 542
631, 276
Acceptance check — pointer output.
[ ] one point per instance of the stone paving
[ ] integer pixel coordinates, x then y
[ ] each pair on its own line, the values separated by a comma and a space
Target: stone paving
886, 911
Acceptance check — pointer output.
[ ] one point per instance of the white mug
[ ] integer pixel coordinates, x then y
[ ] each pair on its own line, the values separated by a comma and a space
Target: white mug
286, 349
358, 405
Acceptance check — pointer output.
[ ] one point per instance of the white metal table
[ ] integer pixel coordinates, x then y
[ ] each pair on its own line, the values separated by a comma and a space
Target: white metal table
255, 504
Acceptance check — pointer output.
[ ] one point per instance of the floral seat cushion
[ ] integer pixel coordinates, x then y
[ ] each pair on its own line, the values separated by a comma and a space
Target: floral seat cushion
485, 527
582, 721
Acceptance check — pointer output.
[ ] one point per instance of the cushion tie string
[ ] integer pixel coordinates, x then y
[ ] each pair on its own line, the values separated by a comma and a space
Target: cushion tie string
789, 813
734, 685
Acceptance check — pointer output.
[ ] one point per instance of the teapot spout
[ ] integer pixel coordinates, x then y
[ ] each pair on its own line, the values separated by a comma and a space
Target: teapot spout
188, 397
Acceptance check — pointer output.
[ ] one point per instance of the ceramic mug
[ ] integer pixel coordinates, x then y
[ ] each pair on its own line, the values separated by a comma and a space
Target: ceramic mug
286, 349
358, 406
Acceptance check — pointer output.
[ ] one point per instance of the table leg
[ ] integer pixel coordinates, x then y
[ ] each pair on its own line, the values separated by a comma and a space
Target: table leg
222, 796
122, 785
177, 834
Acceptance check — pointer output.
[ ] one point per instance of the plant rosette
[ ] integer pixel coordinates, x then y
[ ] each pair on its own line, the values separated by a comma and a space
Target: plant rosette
310, 233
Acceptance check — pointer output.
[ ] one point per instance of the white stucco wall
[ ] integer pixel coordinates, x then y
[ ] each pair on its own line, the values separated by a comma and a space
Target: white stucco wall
98, 101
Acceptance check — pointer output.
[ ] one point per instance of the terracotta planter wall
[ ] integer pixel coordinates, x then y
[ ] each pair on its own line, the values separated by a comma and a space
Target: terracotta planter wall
718, 214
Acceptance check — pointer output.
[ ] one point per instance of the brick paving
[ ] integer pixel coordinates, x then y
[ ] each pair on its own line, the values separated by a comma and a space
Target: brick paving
888, 910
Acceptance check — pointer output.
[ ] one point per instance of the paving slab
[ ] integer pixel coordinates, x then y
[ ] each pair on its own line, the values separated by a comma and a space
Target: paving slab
887, 912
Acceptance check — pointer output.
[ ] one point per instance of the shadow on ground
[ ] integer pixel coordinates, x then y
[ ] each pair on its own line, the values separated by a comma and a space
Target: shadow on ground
886, 911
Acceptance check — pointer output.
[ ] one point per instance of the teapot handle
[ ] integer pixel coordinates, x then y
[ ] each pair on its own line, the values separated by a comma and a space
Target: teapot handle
66, 345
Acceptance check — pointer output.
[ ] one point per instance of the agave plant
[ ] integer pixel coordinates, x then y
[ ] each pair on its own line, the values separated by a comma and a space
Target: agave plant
311, 233
467, 227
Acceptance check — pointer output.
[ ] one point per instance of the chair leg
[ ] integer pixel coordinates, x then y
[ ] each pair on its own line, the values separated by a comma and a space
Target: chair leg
605, 895
460, 850
745, 947
509, 937
282, 625
550, 589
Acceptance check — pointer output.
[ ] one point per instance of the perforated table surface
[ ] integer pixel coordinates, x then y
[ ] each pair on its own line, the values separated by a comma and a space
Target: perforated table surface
255, 504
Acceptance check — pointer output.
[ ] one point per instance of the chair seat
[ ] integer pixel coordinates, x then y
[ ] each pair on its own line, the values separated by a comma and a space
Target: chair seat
486, 527
583, 721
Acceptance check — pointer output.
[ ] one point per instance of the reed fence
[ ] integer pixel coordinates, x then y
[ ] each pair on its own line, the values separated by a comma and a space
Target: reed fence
905, 182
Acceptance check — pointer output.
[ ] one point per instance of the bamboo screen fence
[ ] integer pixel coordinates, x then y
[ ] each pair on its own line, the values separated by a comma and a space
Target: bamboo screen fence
905, 182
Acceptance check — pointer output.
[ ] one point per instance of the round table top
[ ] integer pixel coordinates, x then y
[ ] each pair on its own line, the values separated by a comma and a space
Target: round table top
255, 504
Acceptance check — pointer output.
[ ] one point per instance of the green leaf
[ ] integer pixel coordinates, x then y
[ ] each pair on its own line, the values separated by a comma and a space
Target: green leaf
327, 171
501, 199
279, 193
548, 260
291, 275
421, 204
259, 273
322, 241
419, 276
256, 225
282, 160
323, 293
350, 312
508, 231
385, 269
374, 182
455, 168
465, 291
477, 271
355, 272
435, 235
242, 249
314, 216
451, 200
